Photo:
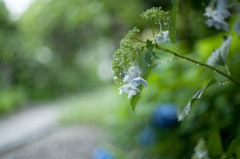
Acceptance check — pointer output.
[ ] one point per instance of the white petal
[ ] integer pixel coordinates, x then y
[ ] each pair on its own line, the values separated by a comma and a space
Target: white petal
208, 12
131, 93
144, 83
120, 90
137, 81
166, 35
159, 38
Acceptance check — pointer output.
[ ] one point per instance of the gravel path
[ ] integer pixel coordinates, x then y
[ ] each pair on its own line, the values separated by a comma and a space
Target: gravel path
35, 134
72, 142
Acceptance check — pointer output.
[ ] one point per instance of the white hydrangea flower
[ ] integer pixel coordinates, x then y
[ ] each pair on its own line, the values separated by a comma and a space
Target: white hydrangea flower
138, 80
217, 16
133, 80
208, 12
218, 24
222, 12
162, 37
237, 28
129, 89
133, 72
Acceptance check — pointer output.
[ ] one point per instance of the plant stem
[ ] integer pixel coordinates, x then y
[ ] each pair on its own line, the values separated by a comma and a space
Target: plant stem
153, 29
198, 63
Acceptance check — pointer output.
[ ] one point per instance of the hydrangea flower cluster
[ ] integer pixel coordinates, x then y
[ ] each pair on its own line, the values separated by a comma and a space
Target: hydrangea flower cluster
217, 16
125, 56
156, 15
146, 136
133, 80
165, 116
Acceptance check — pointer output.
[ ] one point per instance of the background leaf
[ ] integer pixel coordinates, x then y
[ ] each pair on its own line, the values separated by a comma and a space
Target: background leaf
235, 142
219, 56
197, 96
215, 143
173, 18
149, 45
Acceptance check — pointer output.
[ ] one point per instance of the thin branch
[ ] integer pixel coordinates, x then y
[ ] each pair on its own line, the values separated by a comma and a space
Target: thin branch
198, 63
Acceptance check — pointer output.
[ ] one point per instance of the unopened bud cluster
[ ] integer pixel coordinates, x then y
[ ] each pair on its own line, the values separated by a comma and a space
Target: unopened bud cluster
125, 56
156, 15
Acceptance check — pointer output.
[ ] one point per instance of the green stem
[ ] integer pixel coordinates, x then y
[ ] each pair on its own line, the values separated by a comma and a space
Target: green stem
227, 69
198, 63
153, 29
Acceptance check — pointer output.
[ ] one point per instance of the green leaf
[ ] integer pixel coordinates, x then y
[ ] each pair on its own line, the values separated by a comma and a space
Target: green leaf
136, 98
235, 142
173, 18
238, 152
197, 96
215, 143
219, 56
149, 45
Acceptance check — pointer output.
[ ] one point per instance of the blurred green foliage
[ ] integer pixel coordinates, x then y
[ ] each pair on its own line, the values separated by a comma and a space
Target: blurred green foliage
58, 47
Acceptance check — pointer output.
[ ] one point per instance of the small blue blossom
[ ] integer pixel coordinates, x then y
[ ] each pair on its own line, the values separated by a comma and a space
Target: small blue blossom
102, 153
162, 37
146, 136
165, 116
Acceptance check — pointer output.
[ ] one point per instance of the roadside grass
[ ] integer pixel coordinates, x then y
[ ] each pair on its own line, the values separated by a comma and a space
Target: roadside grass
103, 106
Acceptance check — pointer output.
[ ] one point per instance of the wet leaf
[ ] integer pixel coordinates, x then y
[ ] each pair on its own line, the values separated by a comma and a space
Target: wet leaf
219, 56
197, 96
149, 45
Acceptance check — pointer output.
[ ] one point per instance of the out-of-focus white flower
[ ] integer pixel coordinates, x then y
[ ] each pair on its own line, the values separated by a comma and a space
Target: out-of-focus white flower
218, 24
222, 12
237, 28
217, 16
208, 11
162, 37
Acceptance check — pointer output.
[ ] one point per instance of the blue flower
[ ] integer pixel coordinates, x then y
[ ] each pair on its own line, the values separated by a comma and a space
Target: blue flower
102, 153
146, 136
165, 116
